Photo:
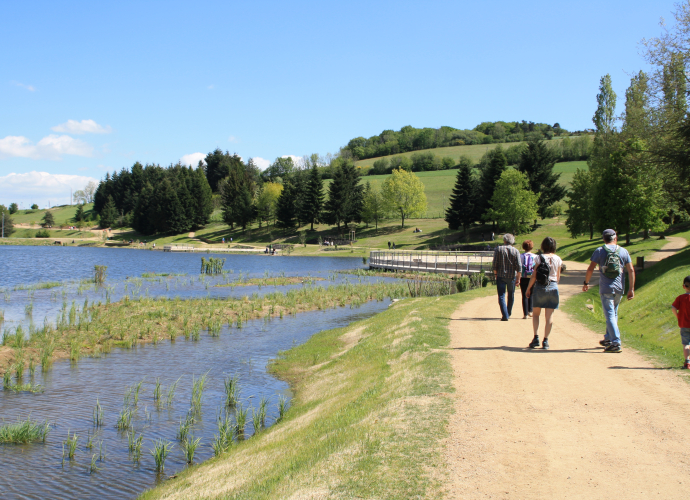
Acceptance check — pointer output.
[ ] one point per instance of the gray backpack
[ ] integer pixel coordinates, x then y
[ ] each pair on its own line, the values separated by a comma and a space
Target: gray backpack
612, 267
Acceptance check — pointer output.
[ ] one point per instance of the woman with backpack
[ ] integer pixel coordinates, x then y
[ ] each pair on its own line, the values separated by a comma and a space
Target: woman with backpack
527, 261
543, 285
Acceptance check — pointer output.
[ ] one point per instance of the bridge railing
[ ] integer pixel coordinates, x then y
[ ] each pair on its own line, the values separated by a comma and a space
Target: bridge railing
429, 261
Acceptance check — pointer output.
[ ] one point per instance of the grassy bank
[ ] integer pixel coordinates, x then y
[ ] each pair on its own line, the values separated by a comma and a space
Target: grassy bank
646, 323
367, 419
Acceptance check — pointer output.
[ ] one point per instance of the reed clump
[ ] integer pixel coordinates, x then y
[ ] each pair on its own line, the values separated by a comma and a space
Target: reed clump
24, 431
160, 452
95, 328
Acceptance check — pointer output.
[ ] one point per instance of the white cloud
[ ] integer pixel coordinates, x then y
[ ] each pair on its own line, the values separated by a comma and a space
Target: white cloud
262, 163
51, 147
30, 88
192, 159
40, 187
82, 127
295, 159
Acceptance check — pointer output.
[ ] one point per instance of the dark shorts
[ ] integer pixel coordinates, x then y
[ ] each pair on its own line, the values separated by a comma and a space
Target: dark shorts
546, 297
685, 336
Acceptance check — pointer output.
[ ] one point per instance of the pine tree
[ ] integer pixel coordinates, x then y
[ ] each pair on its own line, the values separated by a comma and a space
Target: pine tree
285, 209
354, 194
462, 210
313, 199
537, 162
203, 196
48, 219
492, 171
335, 206
79, 215
237, 198
172, 214
109, 213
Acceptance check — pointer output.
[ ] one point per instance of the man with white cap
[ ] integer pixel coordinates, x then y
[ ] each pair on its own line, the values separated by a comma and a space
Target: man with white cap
612, 261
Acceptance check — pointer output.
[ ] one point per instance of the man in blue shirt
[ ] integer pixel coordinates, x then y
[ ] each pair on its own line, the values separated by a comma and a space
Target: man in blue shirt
611, 289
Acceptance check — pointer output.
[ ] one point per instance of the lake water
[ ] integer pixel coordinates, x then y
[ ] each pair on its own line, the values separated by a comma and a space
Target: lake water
71, 389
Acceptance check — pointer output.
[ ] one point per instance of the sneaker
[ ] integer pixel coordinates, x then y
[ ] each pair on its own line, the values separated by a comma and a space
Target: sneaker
604, 343
686, 366
613, 348
534, 343
545, 344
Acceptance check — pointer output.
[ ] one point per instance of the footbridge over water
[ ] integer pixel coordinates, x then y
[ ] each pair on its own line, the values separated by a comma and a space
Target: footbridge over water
431, 262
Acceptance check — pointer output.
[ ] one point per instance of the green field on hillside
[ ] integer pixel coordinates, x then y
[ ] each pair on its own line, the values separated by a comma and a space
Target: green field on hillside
475, 152
63, 215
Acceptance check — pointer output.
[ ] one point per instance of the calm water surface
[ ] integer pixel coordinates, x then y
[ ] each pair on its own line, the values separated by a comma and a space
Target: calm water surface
71, 389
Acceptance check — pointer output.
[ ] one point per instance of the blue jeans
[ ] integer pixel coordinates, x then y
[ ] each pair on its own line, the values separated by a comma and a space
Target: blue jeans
609, 304
503, 284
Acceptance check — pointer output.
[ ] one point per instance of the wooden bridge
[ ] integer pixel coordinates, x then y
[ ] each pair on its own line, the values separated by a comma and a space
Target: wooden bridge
431, 262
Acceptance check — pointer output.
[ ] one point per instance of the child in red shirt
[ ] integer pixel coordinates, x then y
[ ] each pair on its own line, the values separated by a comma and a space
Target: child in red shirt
681, 308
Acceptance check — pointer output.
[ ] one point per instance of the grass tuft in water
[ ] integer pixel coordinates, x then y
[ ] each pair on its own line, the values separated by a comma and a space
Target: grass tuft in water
240, 420
160, 452
124, 421
26, 431
189, 447
98, 414
198, 386
69, 446
282, 408
232, 390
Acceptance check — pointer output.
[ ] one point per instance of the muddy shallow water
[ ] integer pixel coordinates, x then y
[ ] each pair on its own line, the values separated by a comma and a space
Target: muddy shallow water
71, 389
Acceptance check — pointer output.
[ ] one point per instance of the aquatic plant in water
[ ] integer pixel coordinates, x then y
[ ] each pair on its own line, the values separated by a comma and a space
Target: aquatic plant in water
232, 390
189, 447
26, 431
98, 414
160, 452
70, 446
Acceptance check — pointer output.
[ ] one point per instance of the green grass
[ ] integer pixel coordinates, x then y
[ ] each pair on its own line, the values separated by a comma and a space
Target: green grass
367, 421
646, 322
62, 215
475, 152
25, 431
20, 232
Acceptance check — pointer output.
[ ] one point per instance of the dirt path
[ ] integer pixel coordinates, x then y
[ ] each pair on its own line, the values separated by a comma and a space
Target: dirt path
571, 422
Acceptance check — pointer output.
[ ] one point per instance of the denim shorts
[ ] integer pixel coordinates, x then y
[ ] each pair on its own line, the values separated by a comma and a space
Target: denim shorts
685, 336
545, 297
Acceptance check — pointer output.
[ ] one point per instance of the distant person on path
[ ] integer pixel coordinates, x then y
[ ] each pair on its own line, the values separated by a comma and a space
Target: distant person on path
543, 286
527, 261
493, 236
506, 267
681, 308
389, 245
612, 261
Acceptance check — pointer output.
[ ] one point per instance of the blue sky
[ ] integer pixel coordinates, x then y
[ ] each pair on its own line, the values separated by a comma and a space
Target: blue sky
90, 87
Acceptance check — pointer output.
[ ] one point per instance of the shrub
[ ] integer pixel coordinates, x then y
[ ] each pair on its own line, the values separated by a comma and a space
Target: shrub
42, 233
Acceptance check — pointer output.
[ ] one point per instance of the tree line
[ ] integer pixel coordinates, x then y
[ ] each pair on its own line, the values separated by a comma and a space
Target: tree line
152, 199
408, 138
638, 175
506, 196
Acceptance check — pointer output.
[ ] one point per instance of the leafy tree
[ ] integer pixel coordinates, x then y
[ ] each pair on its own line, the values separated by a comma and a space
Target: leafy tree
513, 203
286, 212
34, 207
108, 214
374, 209
8, 223
628, 193
282, 167
537, 162
463, 203
48, 219
13, 208
267, 201
580, 216
605, 139
312, 203
403, 193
